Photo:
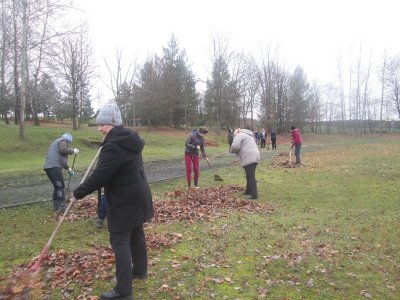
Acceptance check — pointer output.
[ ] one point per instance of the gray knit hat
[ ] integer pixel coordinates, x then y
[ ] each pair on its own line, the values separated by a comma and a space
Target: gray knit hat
109, 114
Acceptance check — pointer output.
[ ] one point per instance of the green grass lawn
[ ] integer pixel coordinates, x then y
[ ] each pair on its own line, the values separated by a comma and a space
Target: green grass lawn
333, 234
22, 160
21, 155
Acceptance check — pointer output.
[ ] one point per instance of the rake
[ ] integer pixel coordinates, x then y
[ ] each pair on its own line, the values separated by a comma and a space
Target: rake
36, 266
216, 177
69, 180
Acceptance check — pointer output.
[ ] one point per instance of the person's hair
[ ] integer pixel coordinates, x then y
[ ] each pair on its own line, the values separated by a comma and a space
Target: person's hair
203, 130
293, 128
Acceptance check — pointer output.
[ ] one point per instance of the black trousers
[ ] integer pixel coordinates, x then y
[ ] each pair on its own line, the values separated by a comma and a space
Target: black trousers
273, 142
251, 184
130, 257
57, 179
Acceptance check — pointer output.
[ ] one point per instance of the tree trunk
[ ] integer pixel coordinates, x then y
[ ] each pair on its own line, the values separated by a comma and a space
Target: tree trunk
382, 92
24, 69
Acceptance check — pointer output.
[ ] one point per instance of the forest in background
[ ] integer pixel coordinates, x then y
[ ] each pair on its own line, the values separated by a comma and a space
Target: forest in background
47, 69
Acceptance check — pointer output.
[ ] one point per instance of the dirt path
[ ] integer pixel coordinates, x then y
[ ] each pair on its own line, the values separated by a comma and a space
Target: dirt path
155, 171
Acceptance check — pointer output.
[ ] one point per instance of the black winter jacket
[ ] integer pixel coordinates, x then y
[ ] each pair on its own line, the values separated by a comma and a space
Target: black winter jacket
120, 171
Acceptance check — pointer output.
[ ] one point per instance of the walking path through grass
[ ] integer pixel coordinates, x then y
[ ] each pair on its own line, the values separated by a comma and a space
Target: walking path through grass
25, 191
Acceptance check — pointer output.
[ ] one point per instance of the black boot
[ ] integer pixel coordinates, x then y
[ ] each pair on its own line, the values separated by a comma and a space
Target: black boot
114, 295
139, 276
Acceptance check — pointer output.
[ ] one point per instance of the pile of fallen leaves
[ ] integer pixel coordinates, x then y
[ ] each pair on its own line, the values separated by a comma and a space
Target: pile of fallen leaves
22, 284
68, 271
203, 204
282, 161
83, 209
180, 205
210, 143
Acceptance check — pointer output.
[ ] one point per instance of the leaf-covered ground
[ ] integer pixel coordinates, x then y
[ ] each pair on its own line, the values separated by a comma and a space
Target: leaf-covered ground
64, 270
333, 232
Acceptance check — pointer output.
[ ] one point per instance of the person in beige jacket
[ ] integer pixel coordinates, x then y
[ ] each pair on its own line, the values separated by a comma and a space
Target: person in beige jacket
245, 147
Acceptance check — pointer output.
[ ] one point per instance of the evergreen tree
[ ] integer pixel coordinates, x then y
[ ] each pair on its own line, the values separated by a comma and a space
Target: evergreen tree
221, 95
299, 97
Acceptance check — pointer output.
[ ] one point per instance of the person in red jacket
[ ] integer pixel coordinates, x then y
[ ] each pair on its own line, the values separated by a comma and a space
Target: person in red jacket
296, 143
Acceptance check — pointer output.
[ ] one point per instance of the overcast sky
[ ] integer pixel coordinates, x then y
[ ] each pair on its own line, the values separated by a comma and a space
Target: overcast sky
310, 33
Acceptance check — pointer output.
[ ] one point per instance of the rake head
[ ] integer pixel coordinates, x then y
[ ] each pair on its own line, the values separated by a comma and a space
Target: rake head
217, 178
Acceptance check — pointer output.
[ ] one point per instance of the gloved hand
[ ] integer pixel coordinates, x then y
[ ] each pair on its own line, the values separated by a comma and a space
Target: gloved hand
198, 147
71, 172
76, 150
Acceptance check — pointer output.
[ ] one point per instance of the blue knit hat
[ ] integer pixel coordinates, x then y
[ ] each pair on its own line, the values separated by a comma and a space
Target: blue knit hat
109, 114
68, 137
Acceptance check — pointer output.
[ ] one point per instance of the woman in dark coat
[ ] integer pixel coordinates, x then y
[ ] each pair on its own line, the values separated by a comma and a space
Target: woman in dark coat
120, 171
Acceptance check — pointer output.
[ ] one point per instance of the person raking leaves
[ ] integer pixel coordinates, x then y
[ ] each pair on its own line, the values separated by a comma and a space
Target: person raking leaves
120, 171
245, 147
296, 143
56, 161
194, 143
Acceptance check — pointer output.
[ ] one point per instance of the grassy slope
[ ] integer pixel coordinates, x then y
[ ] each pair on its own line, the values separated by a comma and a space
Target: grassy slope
22, 160
334, 233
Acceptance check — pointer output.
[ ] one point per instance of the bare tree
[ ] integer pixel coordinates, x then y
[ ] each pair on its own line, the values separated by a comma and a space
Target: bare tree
342, 95
250, 93
75, 65
245, 85
219, 84
31, 33
315, 114
383, 80
24, 67
393, 83
357, 98
282, 95
5, 56
274, 89
122, 80
365, 103
350, 85
265, 73
330, 106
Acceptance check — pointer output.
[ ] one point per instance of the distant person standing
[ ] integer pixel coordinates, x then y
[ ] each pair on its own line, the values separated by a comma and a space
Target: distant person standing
273, 138
230, 138
263, 136
296, 143
257, 136
194, 144
56, 161
245, 147
101, 209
